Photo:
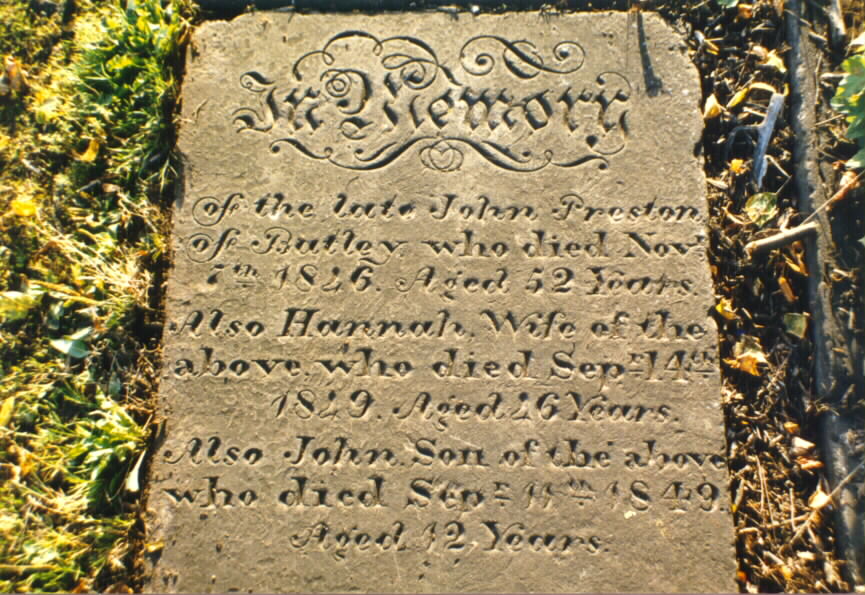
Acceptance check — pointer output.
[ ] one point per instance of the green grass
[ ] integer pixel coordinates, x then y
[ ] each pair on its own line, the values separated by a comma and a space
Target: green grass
84, 158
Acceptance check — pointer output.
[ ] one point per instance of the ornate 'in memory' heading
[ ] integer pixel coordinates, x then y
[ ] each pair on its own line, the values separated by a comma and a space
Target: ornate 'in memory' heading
362, 114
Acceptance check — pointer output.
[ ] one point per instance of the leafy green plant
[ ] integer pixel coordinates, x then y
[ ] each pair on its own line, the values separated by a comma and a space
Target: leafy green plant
84, 153
849, 99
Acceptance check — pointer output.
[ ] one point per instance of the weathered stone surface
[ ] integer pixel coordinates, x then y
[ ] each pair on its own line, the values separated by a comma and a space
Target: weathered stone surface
438, 317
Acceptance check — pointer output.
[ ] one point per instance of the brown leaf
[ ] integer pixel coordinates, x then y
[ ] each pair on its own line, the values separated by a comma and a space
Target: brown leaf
809, 464
742, 93
748, 355
800, 446
819, 499
798, 251
712, 109
773, 60
786, 289
725, 309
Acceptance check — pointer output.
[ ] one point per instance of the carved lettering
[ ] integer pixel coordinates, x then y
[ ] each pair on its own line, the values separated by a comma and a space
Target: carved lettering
439, 311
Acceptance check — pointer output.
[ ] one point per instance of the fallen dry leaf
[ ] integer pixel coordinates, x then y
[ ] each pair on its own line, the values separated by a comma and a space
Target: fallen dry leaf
819, 499
23, 207
773, 60
809, 464
712, 109
796, 324
741, 94
91, 153
792, 427
794, 266
798, 251
800, 446
738, 98
786, 289
761, 207
748, 355
725, 309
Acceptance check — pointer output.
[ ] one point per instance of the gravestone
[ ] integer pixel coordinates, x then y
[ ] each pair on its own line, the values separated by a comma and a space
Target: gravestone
438, 319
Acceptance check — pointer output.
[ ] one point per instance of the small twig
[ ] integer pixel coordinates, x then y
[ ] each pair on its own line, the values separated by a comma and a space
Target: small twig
780, 239
792, 508
815, 513
829, 120
775, 525
763, 489
846, 480
764, 134
774, 162
842, 192
740, 491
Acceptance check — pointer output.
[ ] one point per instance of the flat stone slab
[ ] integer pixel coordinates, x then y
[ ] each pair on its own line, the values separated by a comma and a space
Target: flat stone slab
438, 319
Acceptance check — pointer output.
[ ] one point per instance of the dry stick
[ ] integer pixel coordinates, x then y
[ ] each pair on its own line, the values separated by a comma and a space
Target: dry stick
764, 130
804, 228
780, 239
764, 488
845, 481
775, 525
842, 192
804, 526
792, 507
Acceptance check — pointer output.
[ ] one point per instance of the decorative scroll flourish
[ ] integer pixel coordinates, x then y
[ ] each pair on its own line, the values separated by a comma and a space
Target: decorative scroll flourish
521, 58
361, 102
445, 155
